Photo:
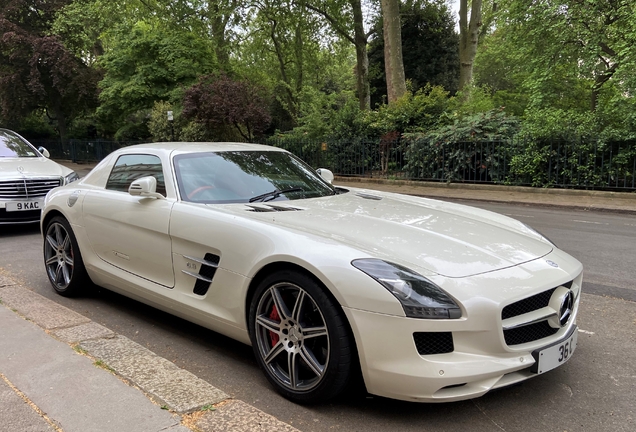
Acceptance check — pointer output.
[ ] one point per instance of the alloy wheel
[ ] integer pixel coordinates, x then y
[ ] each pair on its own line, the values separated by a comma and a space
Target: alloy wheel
58, 255
292, 337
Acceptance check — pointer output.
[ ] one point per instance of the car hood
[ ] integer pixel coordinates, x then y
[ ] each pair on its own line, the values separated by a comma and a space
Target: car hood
448, 239
32, 166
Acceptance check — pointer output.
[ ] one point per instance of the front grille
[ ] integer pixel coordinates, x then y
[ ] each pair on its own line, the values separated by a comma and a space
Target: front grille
529, 333
530, 304
428, 343
19, 217
28, 188
526, 305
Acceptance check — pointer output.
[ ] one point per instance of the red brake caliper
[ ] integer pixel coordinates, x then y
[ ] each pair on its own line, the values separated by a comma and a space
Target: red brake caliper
273, 336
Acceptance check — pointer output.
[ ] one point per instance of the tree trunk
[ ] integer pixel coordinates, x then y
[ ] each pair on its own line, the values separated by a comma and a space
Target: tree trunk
394, 66
362, 57
468, 39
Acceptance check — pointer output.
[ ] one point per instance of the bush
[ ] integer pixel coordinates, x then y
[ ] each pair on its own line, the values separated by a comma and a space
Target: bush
473, 148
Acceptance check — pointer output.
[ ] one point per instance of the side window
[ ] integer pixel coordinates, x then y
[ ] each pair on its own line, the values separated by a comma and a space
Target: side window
131, 167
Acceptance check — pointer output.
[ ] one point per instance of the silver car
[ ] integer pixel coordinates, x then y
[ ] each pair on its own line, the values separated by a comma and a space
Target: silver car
26, 176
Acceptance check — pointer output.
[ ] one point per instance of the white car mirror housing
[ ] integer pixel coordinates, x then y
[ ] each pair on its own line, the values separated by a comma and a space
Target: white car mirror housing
326, 175
145, 187
44, 152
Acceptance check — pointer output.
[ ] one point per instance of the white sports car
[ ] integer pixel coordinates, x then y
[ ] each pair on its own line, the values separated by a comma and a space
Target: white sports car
432, 301
26, 176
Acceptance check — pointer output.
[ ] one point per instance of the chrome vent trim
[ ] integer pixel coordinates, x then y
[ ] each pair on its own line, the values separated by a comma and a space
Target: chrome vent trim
198, 276
28, 187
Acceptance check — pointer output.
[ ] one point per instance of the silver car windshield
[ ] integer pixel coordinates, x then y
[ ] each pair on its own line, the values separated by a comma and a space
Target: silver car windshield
246, 176
11, 145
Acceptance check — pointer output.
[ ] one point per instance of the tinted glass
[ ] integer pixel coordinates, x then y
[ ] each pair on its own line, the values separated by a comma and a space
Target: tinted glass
131, 167
11, 145
238, 176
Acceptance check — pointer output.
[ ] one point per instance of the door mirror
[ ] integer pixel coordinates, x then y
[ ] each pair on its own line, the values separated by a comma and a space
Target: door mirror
44, 152
326, 174
145, 187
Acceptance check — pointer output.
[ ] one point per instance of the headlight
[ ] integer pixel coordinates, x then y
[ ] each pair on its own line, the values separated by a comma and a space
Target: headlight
540, 235
420, 297
71, 178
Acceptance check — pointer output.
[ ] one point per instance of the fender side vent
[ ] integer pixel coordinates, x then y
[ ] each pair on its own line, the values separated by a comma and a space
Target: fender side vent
428, 343
208, 268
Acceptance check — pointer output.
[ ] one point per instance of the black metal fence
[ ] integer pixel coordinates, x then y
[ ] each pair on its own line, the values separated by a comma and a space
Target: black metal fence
574, 163
81, 150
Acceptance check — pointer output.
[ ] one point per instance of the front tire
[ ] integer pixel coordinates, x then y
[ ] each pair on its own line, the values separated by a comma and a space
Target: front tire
62, 259
300, 338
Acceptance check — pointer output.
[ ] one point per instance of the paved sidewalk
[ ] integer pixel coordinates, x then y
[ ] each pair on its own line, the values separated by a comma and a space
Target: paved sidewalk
61, 372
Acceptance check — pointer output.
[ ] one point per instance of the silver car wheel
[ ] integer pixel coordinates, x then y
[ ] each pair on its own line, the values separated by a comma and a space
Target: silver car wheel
292, 337
58, 255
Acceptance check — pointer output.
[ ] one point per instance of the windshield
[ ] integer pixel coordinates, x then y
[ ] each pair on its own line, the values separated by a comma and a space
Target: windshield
246, 176
11, 145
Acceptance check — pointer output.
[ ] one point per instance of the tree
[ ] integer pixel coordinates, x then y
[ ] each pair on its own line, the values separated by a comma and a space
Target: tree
587, 39
429, 48
339, 16
393, 64
149, 63
36, 70
469, 31
224, 102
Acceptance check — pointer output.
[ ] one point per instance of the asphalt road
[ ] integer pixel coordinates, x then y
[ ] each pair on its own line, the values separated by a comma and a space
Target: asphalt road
593, 392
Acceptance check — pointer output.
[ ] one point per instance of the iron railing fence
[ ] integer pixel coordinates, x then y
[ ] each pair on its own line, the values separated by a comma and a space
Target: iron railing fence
81, 151
563, 163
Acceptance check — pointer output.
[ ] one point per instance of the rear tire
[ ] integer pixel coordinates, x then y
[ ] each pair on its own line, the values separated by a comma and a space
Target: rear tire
62, 258
300, 338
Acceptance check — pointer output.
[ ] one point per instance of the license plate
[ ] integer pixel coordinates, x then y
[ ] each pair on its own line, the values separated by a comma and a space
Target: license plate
14, 206
555, 355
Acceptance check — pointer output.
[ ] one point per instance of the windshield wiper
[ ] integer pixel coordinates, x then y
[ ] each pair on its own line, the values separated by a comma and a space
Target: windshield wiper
274, 194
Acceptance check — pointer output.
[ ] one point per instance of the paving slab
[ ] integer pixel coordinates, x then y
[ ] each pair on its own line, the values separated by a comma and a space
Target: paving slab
17, 415
179, 389
68, 387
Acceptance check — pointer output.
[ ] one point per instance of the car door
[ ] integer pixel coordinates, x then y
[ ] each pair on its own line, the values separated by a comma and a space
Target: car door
132, 232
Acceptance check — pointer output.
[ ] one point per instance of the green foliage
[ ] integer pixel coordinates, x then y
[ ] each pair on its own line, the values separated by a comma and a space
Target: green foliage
472, 100
443, 154
414, 112
148, 64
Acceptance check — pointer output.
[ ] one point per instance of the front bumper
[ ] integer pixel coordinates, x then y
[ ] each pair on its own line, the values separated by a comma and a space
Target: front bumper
393, 368
396, 364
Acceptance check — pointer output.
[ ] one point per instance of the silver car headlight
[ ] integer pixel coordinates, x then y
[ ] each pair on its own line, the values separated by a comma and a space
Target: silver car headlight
71, 178
420, 297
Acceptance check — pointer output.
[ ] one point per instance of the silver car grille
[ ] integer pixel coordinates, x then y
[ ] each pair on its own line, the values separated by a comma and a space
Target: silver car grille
28, 187
529, 330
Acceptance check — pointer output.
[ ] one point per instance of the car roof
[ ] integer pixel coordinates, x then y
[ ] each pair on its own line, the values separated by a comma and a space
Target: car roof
175, 148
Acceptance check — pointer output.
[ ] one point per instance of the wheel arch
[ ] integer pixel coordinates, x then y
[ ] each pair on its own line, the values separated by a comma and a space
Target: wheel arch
47, 218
